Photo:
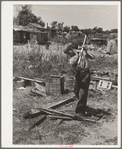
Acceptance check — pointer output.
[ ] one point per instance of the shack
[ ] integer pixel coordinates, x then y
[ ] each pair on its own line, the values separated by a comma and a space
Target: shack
98, 41
21, 34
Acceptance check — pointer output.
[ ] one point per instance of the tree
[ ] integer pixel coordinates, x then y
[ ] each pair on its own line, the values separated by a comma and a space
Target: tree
114, 30
74, 28
94, 30
99, 30
40, 22
25, 16
86, 31
60, 26
54, 24
106, 32
66, 28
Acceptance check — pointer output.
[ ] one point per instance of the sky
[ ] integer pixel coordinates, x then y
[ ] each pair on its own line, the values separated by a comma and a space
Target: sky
83, 16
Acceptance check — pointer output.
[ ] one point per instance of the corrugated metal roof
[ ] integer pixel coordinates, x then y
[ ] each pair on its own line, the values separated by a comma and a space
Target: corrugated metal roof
36, 25
26, 29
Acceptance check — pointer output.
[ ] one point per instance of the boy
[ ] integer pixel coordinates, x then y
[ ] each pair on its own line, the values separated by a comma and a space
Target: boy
82, 75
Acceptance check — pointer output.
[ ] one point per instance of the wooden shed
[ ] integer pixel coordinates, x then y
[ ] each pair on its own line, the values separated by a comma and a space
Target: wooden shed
21, 34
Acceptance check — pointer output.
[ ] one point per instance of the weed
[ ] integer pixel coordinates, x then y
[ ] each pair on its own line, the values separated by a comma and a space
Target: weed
45, 62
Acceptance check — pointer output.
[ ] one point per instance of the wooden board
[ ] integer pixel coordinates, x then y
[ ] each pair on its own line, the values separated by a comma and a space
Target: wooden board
39, 120
102, 78
69, 97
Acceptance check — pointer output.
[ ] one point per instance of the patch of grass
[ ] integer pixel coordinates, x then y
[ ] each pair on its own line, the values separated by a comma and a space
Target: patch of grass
103, 62
54, 61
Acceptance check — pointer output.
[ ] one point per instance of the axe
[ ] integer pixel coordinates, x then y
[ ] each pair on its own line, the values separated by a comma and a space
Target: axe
82, 49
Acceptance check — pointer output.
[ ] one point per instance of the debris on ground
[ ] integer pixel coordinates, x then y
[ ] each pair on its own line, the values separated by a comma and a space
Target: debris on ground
61, 111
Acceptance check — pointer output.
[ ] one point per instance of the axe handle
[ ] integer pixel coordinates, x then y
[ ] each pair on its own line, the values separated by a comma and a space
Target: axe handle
82, 49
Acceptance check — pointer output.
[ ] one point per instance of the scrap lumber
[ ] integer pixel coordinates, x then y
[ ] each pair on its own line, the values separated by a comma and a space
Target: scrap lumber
91, 119
34, 113
59, 117
56, 112
38, 122
81, 118
39, 93
33, 80
39, 90
96, 90
68, 98
102, 78
114, 86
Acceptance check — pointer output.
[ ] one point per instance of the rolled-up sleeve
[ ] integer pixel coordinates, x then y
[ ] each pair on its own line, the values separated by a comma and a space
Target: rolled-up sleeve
68, 47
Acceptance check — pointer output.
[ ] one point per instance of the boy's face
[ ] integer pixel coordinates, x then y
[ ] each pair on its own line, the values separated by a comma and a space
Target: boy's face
71, 53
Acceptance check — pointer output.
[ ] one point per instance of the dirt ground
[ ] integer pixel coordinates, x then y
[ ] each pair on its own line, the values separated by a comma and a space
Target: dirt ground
55, 132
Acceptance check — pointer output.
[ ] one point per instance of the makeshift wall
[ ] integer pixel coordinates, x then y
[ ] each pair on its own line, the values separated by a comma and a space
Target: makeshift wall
16, 37
33, 37
42, 38
20, 37
49, 33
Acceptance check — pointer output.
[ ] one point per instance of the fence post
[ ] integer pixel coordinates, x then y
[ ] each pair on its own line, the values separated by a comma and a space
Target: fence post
28, 46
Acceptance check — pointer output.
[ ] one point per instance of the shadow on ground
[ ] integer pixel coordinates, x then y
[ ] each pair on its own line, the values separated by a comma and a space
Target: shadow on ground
97, 112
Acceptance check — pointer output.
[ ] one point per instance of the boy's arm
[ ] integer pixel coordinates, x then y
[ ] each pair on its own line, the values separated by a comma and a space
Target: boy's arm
90, 56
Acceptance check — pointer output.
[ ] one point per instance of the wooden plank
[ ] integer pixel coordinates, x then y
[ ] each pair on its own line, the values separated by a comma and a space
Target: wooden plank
114, 86
71, 95
102, 78
33, 80
81, 118
59, 117
55, 112
69, 98
38, 122
39, 93
88, 119
34, 113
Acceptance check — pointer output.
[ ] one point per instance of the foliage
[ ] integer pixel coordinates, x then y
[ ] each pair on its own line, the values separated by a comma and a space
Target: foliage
51, 63
99, 30
60, 26
40, 22
66, 28
74, 28
54, 24
42, 64
25, 16
114, 30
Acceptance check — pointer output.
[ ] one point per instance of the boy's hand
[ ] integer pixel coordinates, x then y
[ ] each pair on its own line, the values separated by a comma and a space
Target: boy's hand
85, 48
